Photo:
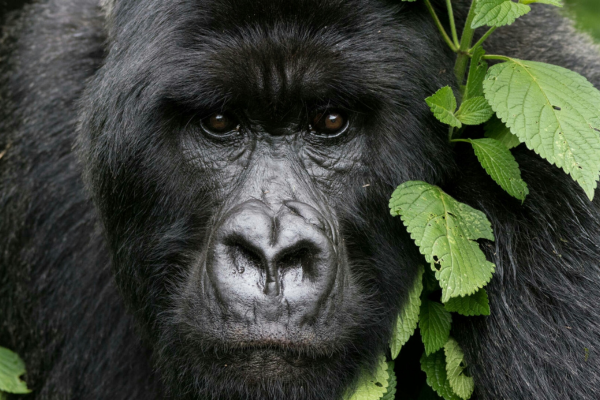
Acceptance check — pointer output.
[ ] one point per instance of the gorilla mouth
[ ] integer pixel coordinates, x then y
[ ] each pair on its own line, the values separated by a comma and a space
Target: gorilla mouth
272, 356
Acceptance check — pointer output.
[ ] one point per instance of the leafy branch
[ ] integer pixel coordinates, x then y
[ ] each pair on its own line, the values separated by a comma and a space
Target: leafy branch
553, 111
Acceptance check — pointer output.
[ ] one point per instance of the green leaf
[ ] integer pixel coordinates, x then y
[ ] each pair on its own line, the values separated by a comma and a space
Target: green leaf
556, 3
409, 316
443, 105
434, 366
554, 111
475, 111
391, 389
477, 72
497, 12
11, 369
475, 304
461, 384
434, 324
500, 164
446, 232
495, 129
371, 386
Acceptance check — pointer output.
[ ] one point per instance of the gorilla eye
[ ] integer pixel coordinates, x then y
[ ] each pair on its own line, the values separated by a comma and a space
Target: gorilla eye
329, 123
220, 124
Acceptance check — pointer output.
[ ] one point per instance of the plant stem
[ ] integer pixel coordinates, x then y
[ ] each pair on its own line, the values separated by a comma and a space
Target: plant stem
452, 23
450, 134
460, 68
495, 57
440, 26
483, 39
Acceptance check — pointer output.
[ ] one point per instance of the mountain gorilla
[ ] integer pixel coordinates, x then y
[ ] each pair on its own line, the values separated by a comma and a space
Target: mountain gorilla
234, 240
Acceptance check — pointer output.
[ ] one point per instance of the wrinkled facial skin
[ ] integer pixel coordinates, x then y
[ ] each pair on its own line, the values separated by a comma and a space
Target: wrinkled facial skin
261, 260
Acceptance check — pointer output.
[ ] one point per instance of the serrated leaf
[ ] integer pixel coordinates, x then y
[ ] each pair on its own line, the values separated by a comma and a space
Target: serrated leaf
434, 324
434, 366
495, 129
475, 111
371, 386
408, 317
497, 12
11, 370
390, 394
477, 71
475, 304
461, 384
501, 165
556, 3
554, 111
443, 105
446, 232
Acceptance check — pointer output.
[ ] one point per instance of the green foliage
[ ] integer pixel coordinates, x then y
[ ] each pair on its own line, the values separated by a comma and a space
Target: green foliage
434, 324
406, 324
475, 111
587, 15
434, 366
469, 306
477, 73
498, 12
443, 106
500, 164
391, 389
554, 111
556, 3
461, 384
446, 232
371, 386
11, 370
495, 129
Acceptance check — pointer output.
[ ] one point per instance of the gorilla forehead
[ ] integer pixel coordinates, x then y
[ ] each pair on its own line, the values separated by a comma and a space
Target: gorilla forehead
274, 55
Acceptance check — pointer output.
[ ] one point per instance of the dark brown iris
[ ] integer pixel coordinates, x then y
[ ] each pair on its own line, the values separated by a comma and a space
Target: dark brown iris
329, 123
220, 123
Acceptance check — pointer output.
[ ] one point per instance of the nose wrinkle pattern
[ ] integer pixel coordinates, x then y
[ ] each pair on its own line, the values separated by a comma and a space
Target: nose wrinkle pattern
312, 216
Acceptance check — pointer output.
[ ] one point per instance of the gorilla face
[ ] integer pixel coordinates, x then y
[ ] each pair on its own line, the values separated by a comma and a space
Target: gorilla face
241, 155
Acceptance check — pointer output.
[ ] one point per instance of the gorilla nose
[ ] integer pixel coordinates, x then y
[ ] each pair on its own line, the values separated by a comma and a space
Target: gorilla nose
259, 255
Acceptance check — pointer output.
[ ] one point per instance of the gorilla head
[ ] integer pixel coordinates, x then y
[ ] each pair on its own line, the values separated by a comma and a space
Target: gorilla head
241, 155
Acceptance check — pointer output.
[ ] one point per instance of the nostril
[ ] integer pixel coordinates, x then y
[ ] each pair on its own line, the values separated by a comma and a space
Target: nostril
300, 258
243, 256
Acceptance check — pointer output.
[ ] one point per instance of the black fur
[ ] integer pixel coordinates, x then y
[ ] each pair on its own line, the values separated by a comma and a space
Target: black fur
132, 75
